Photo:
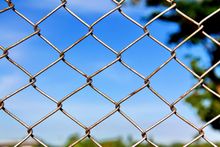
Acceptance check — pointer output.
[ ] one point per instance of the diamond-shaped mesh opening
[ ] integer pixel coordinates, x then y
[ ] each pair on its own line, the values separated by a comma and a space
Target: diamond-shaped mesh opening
117, 77
186, 54
60, 31
201, 60
109, 129
31, 50
143, 108
29, 99
79, 110
143, 56
179, 78
89, 56
114, 34
165, 28
185, 110
57, 84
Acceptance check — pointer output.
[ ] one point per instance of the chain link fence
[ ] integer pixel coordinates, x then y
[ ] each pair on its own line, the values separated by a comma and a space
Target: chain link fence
118, 59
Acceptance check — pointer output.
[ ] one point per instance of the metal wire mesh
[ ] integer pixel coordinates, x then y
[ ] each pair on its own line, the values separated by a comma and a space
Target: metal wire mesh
118, 59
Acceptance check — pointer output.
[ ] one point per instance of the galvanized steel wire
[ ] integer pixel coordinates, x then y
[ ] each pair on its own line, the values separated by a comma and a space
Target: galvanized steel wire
118, 59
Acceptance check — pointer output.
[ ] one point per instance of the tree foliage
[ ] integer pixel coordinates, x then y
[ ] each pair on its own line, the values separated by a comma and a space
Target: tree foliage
122, 143
205, 103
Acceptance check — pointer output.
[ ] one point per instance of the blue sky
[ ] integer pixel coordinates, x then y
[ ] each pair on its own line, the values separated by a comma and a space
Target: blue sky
87, 106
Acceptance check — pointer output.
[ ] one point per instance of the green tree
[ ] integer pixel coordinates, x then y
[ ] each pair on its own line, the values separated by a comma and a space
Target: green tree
118, 142
88, 143
205, 103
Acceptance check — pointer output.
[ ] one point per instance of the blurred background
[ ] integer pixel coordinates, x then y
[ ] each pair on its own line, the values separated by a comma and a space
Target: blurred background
172, 81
